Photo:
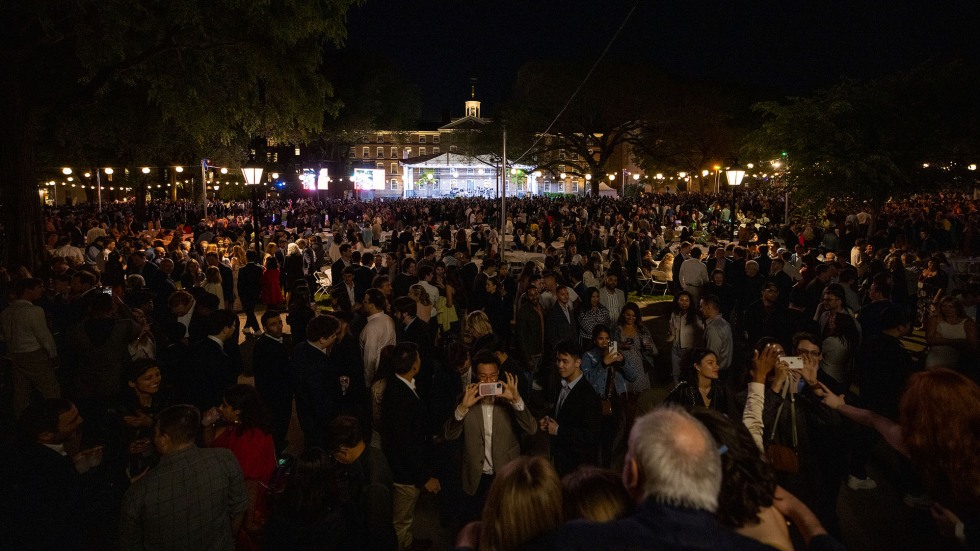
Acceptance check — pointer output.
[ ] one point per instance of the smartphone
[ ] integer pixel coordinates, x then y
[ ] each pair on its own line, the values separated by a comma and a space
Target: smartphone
491, 389
795, 362
613, 347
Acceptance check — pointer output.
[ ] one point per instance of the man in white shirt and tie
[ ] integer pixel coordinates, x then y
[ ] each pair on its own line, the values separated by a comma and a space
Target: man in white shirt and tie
488, 424
30, 345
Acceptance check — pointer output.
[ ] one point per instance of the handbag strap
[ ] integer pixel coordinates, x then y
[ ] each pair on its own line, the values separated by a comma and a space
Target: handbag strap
610, 381
792, 417
779, 412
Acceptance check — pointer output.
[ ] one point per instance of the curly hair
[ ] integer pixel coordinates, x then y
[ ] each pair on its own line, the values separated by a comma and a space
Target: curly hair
940, 417
748, 483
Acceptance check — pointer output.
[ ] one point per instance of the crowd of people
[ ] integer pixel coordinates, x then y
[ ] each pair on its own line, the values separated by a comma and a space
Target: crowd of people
390, 349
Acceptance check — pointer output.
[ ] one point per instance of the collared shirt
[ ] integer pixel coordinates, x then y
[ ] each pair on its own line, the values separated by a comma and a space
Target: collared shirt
24, 329
486, 410
409, 384
613, 302
566, 389
314, 346
186, 318
350, 293
277, 339
718, 339
221, 343
60, 448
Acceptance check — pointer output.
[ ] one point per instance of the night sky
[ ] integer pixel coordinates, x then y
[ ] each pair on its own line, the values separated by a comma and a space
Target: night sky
779, 48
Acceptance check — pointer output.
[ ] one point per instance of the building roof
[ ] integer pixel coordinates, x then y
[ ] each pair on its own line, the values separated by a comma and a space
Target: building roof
465, 123
456, 159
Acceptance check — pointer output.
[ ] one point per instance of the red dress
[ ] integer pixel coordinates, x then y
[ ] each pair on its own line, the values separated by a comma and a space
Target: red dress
271, 290
254, 449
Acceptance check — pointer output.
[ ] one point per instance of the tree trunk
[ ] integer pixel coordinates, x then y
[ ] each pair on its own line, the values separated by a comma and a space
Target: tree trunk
20, 204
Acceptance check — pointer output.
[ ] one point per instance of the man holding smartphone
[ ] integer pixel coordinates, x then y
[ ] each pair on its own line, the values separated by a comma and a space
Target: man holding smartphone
490, 431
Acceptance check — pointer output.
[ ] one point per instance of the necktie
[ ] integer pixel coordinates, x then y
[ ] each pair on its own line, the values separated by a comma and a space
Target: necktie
561, 397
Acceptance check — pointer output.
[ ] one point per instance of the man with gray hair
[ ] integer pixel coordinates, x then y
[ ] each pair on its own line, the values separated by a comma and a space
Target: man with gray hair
673, 473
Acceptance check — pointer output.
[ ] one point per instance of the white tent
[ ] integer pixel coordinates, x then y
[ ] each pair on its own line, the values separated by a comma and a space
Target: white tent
606, 191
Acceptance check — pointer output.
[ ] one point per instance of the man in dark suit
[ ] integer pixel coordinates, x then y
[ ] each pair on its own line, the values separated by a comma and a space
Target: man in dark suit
560, 323
574, 429
406, 278
408, 328
507, 414
363, 276
337, 268
162, 287
250, 287
41, 492
270, 366
211, 369
675, 508
406, 442
316, 392
344, 292
140, 266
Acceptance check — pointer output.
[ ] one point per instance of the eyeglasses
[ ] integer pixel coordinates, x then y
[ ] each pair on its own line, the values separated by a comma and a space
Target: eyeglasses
488, 377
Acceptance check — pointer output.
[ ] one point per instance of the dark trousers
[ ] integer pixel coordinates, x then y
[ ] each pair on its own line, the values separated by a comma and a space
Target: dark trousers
472, 505
251, 322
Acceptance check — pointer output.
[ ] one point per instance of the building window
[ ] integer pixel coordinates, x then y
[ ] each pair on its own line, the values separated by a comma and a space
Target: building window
393, 184
435, 150
380, 166
381, 153
381, 138
452, 149
394, 168
364, 139
353, 152
435, 139
365, 152
408, 152
561, 155
421, 138
421, 151
394, 152
471, 170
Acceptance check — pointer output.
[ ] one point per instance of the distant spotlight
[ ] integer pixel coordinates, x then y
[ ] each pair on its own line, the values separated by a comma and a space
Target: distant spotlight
66, 171
925, 165
179, 168
971, 167
145, 170
109, 170
275, 175
224, 170
750, 165
563, 175
87, 174
71, 179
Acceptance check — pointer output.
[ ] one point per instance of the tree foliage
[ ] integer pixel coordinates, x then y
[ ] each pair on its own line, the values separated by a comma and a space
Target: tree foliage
98, 77
607, 112
864, 142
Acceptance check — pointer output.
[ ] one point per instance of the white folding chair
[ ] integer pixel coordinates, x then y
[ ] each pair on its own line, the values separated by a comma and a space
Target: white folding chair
645, 283
323, 281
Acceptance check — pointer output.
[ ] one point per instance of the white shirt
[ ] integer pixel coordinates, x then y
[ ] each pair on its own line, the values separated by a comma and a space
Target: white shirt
278, 340
486, 410
24, 329
693, 273
409, 384
613, 302
186, 318
566, 389
377, 334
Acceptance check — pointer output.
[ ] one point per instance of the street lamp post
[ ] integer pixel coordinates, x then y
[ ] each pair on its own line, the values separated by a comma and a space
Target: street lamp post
252, 171
734, 175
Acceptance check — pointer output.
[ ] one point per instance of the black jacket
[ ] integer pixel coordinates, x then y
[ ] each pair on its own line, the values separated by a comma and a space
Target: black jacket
577, 441
405, 440
250, 282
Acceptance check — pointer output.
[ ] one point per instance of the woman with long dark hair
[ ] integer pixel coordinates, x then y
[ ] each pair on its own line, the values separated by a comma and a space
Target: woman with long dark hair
591, 313
700, 386
636, 345
241, 424
685, 331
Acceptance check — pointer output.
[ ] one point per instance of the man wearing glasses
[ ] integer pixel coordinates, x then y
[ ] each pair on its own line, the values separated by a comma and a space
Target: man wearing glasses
489, 425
